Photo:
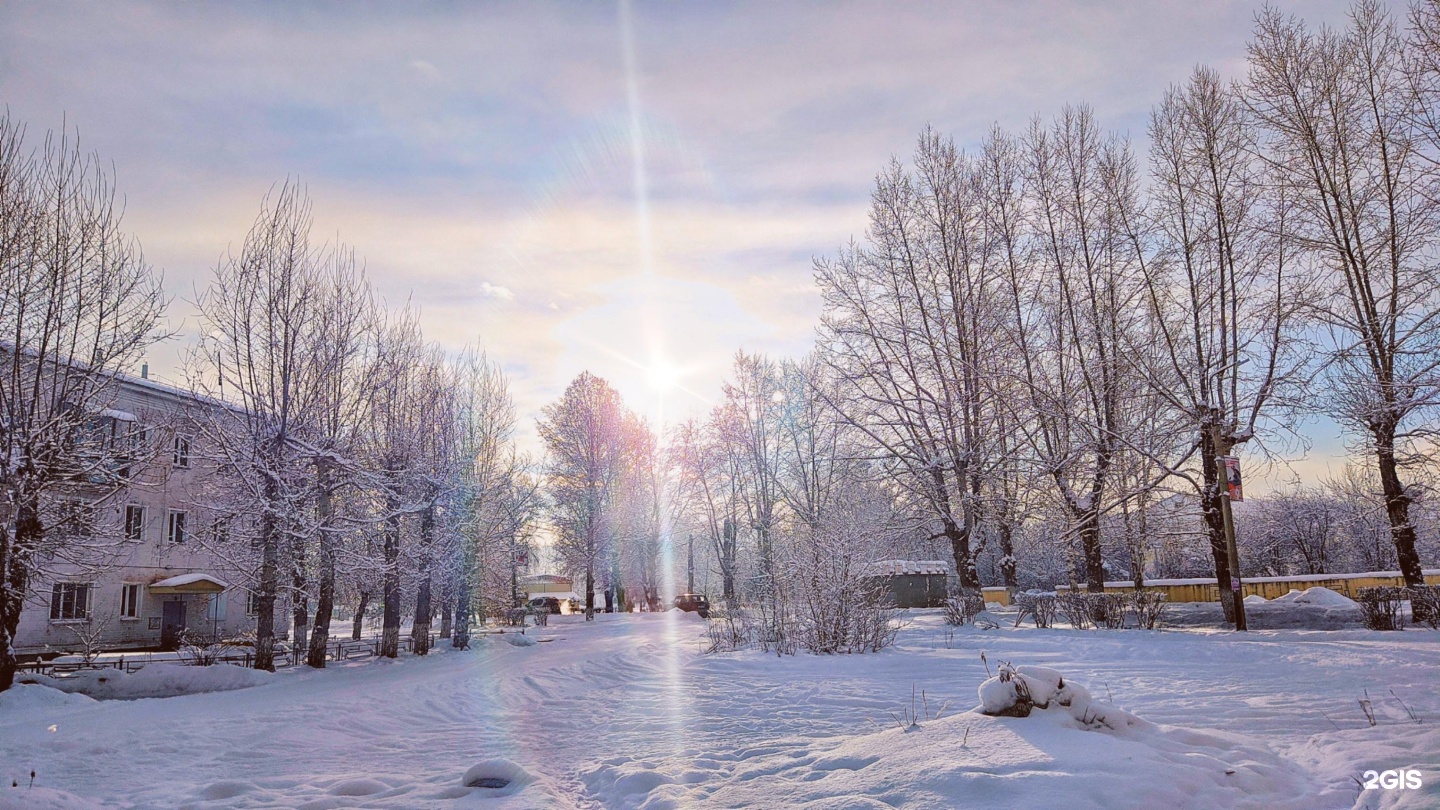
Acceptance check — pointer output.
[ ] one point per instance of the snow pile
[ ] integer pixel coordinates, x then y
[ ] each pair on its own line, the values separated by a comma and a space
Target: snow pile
519, 640
497, 777
1317, 597
24, 696
41, 798
153, 681
1017, 691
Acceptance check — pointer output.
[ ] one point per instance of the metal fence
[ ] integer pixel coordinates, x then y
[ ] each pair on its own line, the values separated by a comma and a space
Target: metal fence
337, 650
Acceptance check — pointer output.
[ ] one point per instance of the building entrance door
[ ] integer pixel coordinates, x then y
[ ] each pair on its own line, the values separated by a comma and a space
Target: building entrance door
172, 623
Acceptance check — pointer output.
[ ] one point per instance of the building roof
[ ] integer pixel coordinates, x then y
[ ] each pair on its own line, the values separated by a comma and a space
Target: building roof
891, 568
188, 583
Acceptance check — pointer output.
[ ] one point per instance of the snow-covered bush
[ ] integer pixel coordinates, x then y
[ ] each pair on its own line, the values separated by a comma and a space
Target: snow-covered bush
1425, 605
1040, 607
963, 607
1018, 691
201, 651
1108, 609
1076, 608
1147, 606
1381, 607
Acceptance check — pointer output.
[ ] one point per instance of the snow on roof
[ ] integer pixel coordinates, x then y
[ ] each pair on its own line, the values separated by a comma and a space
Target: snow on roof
187, 579
118, 416
892, 568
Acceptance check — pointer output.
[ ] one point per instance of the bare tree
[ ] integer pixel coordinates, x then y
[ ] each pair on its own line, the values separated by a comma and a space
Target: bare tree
584, 439
78, 303
911, 326
1339, 108
1223, 290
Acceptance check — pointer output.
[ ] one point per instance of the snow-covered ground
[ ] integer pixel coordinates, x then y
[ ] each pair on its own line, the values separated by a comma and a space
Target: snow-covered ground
626, 712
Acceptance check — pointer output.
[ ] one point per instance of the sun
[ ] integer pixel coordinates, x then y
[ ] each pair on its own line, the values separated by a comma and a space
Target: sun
662, 375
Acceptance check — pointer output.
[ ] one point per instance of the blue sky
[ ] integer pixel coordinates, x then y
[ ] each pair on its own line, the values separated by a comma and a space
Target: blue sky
482, 157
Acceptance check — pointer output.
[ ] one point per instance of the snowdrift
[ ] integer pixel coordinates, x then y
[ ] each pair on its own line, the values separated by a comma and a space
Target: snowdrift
153, 681
1069, 750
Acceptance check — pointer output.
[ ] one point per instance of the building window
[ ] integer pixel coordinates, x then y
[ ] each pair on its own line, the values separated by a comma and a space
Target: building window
252, 604
134, 523
130, 601
215, 607
182, 451
220, 531
69, 601
176, 532
76, 518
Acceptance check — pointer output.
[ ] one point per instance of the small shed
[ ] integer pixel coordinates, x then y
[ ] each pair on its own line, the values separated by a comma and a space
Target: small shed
912, 583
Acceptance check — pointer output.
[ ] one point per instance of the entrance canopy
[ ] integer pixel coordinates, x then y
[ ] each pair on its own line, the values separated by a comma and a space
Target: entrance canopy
188, 583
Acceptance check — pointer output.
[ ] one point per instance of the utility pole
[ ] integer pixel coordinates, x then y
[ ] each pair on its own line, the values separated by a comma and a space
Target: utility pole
690, 565
1232, 554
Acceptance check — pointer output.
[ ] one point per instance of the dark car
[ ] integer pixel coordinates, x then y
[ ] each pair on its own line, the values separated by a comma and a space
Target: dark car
548, 603
694, 603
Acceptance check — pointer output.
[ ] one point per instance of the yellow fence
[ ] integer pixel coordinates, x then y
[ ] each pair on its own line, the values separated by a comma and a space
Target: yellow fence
1199, 590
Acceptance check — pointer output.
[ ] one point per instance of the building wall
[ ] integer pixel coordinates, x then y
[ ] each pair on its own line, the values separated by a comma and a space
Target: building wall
111, 559
917, 590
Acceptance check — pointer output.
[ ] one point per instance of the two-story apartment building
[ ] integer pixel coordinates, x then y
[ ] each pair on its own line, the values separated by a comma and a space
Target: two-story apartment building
151, 561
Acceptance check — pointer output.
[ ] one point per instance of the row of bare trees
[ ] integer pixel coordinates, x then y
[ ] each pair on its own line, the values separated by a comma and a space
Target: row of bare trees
1041, 325
354, 458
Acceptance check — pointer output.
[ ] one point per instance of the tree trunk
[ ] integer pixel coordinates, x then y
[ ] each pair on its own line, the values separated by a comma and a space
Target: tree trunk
325, 597
460, 635
1008, 563
589, 591
19, 538
960, 550
1397, 509
420, 630
358, 625
390, 584
300, 609
1210, 495
1089, 519
269, 577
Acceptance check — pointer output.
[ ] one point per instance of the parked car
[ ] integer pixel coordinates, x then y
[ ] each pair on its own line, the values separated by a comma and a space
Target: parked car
694, 603
546, 603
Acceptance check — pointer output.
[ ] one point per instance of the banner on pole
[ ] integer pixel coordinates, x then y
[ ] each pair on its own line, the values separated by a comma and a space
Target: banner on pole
1232, 478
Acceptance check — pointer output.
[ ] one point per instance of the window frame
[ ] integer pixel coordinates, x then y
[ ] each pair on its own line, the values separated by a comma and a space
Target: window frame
138, 533
130, 592
180, 452
170, 523
58, 591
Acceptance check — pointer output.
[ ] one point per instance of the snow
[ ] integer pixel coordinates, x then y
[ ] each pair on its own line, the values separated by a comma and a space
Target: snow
627, 712
1317, 597
906, 567
187, 579
151, 681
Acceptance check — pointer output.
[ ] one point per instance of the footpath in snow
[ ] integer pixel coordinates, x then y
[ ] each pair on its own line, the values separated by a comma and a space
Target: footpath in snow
627, 712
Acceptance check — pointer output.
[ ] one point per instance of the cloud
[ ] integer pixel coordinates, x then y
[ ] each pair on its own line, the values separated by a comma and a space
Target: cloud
492, 142
496, 291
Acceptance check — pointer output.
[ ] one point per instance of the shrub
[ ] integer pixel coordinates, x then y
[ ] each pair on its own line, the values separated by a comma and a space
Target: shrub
1107, 609
1381, 607
1425, 605
963, 607
1147, 606
1075, 607
1040, 607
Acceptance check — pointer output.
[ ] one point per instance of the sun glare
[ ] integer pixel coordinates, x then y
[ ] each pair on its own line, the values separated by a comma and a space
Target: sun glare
662, 375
